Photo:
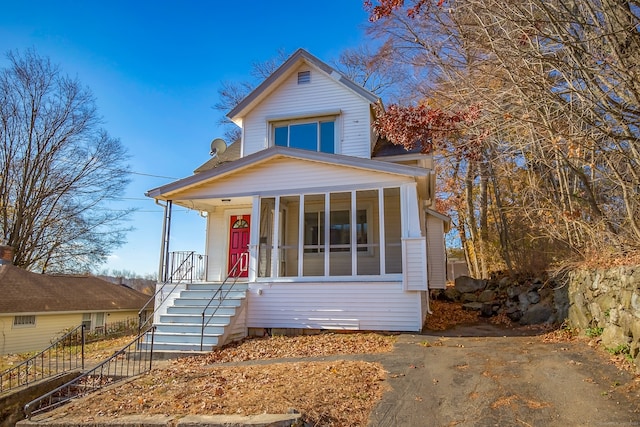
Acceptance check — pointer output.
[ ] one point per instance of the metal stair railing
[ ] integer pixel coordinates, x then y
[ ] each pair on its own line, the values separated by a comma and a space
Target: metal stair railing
141, 323
129, 361
194, 269
234, 270
64, 355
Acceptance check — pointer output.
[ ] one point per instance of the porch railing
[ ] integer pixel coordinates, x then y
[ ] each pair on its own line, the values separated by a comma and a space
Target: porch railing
221, 294
176, 274
64, 355
188, 267
133, 359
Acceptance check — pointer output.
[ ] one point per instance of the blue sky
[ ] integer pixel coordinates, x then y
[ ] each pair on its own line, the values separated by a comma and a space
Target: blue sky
155, 68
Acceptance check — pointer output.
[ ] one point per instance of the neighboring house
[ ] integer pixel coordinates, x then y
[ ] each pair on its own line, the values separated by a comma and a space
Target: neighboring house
37, 308
333, 227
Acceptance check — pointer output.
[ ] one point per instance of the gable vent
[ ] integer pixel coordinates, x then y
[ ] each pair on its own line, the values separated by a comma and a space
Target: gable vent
304, 77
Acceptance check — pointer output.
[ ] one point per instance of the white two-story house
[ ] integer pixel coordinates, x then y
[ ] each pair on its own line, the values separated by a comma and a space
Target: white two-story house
326, 225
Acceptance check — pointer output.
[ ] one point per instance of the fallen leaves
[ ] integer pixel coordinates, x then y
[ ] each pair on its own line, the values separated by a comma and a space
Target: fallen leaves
448, 314
336, 393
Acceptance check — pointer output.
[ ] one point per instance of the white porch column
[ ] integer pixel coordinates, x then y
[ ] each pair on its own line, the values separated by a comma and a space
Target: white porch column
254, 239
275, 254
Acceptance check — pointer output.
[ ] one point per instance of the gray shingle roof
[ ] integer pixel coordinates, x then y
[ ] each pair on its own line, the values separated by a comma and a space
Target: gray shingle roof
22, 291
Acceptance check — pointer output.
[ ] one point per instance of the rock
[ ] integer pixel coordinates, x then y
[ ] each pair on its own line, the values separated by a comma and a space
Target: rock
537, 314
465, 284
515, 315
533, 297
514, 291
451, 294
613, 336
487, 309
486, 296
504, 283
468, 297
523, 301
472, 306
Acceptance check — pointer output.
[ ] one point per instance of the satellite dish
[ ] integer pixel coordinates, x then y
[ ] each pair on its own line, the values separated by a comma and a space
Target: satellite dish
218, 146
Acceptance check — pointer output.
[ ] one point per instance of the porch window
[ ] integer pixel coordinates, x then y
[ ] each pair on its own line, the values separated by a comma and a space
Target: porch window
339, 231
349, 233
310, 134
392, 231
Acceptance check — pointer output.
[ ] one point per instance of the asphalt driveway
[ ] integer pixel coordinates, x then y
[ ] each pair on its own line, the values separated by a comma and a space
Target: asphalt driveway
475, 376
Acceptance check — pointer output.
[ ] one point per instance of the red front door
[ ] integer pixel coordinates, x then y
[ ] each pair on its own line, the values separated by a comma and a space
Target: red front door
239, 245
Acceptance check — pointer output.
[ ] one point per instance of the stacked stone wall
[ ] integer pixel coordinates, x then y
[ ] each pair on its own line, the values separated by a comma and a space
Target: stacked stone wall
606, 303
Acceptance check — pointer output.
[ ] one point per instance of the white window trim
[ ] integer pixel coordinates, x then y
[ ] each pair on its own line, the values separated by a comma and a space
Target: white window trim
332, 115
383, 276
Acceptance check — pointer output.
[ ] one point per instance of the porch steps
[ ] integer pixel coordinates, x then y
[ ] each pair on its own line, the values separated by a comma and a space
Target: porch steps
180, 325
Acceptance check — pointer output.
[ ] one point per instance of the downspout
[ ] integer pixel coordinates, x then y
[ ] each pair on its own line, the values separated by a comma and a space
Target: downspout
164, 245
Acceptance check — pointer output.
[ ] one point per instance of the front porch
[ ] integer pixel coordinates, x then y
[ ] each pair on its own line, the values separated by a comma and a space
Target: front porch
323, 241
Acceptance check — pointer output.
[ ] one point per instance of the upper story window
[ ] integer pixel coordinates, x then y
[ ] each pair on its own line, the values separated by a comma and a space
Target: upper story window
311, 134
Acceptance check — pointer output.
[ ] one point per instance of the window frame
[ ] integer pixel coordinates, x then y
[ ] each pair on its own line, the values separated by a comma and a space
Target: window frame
24, 324
318, 120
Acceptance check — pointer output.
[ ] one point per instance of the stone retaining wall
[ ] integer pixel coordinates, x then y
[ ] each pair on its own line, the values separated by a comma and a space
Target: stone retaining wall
606, 303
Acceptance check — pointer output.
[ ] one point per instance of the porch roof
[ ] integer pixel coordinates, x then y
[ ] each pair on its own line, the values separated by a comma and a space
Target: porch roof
165, 192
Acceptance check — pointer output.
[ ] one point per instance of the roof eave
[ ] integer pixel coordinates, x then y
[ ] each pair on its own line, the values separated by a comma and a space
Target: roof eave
163, 193
301, 55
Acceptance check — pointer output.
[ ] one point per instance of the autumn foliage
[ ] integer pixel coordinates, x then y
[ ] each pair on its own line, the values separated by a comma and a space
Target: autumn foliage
412, 126
543, 170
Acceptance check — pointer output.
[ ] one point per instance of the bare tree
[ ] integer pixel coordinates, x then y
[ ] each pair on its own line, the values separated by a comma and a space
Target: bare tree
557, 82
232, 92
59, 170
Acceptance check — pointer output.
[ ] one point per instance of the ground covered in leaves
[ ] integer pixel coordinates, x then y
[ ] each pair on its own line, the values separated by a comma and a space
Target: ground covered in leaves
264, 375
336, 393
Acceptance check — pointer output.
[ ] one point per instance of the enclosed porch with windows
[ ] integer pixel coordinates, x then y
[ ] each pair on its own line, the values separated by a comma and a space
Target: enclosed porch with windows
322, 241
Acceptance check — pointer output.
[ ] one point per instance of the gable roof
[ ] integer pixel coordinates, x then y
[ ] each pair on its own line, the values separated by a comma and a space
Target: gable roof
282, 72
286, 152
26, 292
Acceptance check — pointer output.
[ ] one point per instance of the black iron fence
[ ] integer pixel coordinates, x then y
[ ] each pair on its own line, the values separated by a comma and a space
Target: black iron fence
133, 359
64, 355
116, 329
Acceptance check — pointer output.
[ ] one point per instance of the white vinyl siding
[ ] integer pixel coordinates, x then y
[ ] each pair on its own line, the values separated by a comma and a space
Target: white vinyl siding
281, 175
436, 253
353, 126
415, 264
342, 305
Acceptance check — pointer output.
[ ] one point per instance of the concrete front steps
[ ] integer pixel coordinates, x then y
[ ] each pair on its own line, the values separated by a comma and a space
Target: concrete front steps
180, 324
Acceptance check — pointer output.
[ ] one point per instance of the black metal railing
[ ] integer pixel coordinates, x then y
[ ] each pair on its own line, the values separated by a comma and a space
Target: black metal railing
120, 328
64, 355
133, 359
178, 274
221, 294
188, 267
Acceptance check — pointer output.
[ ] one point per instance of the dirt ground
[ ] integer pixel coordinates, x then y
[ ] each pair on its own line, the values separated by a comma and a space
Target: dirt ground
462, 371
